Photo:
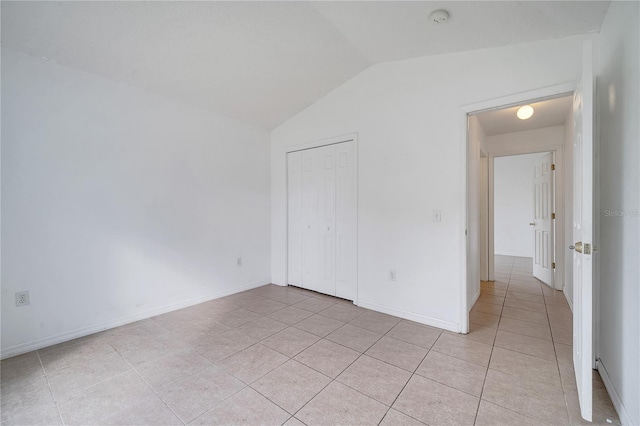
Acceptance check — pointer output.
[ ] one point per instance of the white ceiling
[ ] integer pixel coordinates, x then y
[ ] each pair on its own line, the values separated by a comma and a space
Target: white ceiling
263, 62
551, 112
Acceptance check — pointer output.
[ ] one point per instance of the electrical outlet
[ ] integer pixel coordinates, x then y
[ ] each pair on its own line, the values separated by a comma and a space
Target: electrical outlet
22, 298
239, 261
437, 216
392, 274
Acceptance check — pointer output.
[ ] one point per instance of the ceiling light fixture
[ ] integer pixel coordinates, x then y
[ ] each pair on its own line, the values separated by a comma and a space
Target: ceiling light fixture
525, 112
439, 16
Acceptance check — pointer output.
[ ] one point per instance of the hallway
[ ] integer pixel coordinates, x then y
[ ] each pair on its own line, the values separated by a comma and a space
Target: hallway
530, 326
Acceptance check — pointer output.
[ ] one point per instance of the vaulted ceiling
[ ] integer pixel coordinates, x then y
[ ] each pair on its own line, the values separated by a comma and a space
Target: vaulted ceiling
263, 62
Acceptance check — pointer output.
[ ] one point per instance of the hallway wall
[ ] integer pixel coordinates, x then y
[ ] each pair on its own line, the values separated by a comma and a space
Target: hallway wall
619, 179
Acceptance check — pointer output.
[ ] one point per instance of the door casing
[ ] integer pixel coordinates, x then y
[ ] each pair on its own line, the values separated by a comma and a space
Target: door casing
559, 191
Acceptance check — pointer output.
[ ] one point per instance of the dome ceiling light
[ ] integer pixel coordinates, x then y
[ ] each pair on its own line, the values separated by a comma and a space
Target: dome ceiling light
525, 112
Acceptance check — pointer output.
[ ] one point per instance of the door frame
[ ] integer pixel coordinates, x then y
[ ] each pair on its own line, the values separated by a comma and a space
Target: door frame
350, 137
559, 208
465, 111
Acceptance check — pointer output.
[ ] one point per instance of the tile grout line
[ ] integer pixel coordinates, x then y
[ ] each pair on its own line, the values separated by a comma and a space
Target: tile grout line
507, 408
493, 344
413, 373
353, 362
150, 387
49, 386
555, 352
521, 414
289, 358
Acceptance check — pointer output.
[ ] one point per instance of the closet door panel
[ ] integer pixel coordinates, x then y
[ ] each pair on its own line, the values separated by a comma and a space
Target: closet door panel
346, 221
310, 219
294, 218
327, 219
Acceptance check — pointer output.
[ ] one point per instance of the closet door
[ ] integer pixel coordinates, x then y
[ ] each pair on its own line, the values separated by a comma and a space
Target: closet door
327, 220
322, 215
310, 219
294, 219
346, 221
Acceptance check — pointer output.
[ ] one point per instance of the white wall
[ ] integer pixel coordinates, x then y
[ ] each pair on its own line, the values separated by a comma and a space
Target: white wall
618, 92
118, 204
513, 204
412, 149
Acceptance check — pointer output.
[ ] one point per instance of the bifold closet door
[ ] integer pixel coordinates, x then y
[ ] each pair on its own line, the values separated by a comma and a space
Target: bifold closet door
346, 221
322, 219
326, 220
294, 218
310, 201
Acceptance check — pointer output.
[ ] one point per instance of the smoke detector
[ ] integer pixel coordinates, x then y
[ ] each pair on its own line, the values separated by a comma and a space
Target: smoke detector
439, 16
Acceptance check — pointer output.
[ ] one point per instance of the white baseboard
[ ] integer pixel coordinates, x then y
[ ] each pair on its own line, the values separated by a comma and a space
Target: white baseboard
566, 296
423, 319
625, 419
85, 331
513, 254
474, 300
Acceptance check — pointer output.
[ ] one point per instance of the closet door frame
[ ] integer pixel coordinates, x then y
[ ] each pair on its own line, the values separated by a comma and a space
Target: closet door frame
352, 137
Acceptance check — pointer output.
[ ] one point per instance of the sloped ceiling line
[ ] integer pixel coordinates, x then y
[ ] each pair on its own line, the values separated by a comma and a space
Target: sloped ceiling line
264, 62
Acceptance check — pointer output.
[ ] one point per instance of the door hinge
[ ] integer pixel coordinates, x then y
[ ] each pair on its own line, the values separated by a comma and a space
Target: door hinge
553, 215
587, 248
553, 265
553, 167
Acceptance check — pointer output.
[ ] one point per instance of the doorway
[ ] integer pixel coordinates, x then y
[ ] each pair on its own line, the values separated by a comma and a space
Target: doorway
494, 132
523, 195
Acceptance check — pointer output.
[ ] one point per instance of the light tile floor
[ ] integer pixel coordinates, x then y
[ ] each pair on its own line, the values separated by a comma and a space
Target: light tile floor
283, 355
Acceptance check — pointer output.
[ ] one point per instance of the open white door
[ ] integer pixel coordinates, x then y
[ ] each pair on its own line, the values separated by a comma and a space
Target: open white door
583, 232
543, 219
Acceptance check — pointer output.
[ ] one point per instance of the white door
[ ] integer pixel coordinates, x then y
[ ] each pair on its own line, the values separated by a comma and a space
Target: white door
310, 232
346, 221
327, 220
294, 219
322, 219
543, 223
583, 233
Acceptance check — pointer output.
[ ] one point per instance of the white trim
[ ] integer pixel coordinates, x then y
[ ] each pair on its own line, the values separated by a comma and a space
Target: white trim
566, 296
322, 142
514, 254
518, 98
85, 331
463, 312
465, 110
625, 418
474, 299
423, 319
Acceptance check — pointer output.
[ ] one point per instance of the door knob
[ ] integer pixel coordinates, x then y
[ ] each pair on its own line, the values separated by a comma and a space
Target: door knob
532, 224
577, 247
